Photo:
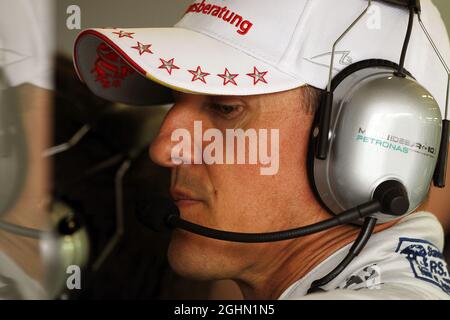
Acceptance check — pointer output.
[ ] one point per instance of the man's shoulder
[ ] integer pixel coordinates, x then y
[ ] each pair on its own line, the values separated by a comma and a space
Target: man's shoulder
402, 262
419, 225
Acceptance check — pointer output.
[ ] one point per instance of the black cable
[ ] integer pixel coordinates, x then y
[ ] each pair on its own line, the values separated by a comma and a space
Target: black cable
345, 217
401, 72
358, 245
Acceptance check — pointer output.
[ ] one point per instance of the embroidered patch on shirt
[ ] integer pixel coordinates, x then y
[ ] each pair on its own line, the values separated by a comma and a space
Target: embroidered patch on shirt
427, 262
367, 278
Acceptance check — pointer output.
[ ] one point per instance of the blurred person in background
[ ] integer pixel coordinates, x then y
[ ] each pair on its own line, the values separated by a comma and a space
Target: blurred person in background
26, 38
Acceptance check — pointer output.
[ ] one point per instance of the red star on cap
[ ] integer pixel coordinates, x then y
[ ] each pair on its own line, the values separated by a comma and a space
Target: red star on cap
257, 76
123, 34
168, 65
143, 48
228, 77
199, 75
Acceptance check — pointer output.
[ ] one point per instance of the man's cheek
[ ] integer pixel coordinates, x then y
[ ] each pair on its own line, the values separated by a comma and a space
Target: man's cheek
197, 213
269, 153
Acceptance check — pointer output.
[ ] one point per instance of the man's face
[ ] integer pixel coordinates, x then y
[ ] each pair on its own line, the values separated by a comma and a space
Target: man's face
235, 197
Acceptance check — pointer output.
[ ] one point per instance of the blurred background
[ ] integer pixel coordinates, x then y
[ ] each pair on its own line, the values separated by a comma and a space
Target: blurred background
90, 165
141, 13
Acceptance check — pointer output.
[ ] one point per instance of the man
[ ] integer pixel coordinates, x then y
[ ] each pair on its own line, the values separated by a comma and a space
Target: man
241, 65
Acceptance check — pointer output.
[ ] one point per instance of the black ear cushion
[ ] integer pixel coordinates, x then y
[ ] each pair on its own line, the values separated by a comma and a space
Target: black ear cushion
363, 65
336, 81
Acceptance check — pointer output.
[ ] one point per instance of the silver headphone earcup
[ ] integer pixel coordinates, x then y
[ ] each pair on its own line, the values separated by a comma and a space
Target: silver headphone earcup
382, 128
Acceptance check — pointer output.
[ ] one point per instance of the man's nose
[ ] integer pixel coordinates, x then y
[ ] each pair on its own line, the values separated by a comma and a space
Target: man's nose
180, 116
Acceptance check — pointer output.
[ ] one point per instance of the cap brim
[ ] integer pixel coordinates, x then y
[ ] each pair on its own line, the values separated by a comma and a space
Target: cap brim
117, 64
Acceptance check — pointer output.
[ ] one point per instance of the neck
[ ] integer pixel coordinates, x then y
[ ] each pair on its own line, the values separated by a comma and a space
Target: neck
294, 259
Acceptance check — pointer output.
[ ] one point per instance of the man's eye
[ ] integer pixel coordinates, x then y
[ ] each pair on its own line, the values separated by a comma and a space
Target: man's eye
227, 111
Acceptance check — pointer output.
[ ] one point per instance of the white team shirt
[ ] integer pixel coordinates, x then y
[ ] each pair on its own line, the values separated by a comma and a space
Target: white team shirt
402, 262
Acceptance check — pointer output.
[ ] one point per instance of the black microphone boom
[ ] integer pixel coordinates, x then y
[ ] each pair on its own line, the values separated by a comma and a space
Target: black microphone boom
343, 218
160, 213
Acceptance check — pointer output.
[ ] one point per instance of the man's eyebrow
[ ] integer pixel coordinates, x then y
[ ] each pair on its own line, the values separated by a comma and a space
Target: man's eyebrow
177, 94
223, 97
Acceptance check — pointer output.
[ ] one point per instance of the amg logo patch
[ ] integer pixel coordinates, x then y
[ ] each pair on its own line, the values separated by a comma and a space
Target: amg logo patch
427, 262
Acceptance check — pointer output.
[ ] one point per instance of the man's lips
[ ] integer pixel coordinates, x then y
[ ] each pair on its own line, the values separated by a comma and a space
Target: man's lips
183, 198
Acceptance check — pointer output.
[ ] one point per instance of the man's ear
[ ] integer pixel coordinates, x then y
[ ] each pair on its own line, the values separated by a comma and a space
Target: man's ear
311, 99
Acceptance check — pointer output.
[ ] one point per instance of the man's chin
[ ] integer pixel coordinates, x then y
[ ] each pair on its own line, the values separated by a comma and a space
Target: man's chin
192, 257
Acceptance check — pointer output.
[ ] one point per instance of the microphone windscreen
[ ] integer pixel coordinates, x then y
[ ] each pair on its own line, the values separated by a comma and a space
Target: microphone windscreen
152, 211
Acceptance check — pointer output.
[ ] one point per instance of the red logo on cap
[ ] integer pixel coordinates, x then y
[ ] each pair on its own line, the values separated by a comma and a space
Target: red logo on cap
168, 65
123, 34
109, 68
143, 48
257, 76
199, 74
228, 77
223, 13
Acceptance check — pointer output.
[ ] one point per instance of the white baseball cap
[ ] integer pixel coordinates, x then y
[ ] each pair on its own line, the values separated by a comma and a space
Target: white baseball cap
249, 47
